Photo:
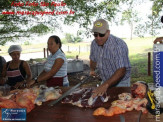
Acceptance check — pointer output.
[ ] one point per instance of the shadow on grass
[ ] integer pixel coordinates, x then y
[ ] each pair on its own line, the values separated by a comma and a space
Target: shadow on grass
148, 50
139, 68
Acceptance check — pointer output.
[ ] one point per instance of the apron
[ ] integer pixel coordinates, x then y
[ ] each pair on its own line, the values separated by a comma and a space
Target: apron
55, 81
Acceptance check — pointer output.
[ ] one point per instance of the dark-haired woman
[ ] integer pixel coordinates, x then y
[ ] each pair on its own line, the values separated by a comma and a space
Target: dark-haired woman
55, 68
16, 72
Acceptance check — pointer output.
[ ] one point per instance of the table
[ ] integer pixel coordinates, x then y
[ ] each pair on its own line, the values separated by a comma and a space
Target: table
69, 113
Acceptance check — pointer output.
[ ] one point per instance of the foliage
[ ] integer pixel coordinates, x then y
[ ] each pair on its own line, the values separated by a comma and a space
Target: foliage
64, 41
27, 43
70, 38
153, 24
14, 27
130, 16
157, 7
87, 11
40, 28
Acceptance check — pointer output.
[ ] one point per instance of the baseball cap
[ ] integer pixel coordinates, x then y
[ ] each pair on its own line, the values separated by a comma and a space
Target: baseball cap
100, 26
13, 48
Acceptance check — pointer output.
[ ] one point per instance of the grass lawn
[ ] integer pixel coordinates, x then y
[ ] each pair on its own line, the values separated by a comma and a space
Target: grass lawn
138, 54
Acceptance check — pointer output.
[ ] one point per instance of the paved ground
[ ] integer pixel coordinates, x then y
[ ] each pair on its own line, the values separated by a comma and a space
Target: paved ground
27, 56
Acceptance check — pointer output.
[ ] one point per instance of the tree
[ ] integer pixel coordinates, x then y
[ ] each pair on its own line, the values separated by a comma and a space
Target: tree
70, 38
153, 24
155, 17
157, 7
16, 26
130, 16
85, 12
88, 10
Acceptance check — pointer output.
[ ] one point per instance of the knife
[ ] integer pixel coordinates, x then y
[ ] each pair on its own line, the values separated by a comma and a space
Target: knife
139, 116
122, 118
68, 92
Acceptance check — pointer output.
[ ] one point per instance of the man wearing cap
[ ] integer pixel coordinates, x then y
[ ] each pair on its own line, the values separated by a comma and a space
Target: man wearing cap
16, 72
159, 39
109, 55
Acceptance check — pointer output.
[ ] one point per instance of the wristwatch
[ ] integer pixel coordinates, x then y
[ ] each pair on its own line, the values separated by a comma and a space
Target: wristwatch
36, 80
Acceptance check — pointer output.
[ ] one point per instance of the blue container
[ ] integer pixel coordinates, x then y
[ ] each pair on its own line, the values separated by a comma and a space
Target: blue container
158, 64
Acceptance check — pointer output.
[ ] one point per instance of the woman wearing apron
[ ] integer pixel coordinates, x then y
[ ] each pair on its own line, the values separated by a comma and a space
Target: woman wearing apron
55, 68
16, 72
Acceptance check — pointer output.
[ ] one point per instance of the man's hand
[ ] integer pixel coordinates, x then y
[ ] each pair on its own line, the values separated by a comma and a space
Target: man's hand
159, 39
93, 73
99, 91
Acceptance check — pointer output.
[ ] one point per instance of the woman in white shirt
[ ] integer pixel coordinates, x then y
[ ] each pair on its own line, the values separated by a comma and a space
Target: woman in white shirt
55, 68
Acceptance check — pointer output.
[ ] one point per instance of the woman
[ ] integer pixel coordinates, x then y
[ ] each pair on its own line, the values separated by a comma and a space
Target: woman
2, 62
55, 68
16, 72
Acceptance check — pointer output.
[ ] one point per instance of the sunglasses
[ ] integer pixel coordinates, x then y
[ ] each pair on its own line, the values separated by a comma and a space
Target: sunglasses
100, 35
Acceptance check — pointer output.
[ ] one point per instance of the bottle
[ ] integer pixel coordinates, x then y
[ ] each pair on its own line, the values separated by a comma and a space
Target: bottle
158, 65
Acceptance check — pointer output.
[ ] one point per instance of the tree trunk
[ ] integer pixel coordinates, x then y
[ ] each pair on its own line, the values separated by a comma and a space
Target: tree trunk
131, 31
